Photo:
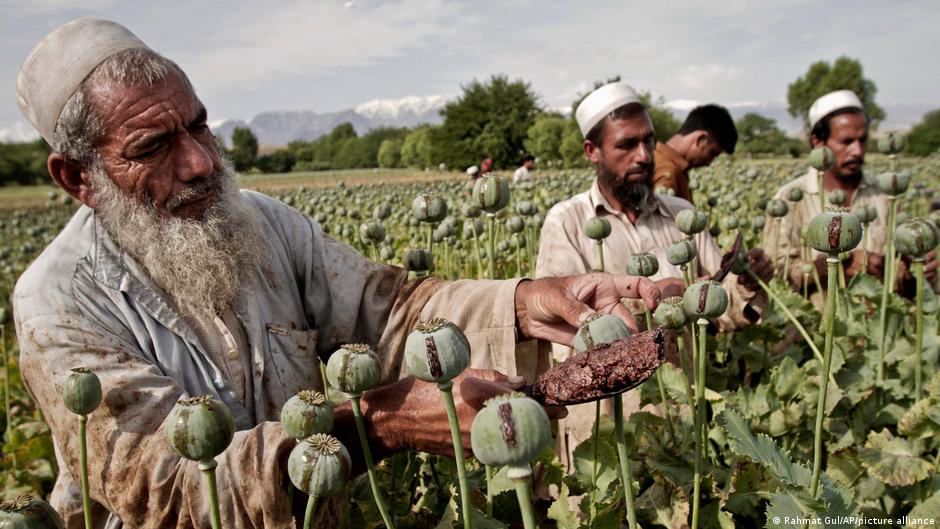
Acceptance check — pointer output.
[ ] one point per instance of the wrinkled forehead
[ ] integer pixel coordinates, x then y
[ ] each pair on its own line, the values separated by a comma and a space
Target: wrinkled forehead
635, 126
124, 106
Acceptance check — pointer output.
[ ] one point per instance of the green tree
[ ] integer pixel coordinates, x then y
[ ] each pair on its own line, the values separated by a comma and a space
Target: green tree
758, 134
489, 119
544, 137
390, 153
924, 138
244, 148
416, 148
821, 78
279, 161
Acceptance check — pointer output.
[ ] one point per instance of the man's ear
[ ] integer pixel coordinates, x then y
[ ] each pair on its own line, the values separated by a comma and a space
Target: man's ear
72, 178
593, 152
700, 139
816, 142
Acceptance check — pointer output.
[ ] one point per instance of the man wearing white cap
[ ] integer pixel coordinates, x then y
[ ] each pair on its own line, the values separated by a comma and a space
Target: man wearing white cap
619, 142
837, 121
169, 282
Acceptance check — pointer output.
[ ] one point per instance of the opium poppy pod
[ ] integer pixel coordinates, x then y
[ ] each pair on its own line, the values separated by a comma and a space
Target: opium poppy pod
777, 208
307, 413
891, 143
834, 231
515, 224
894, 183
437, 351
821, 158
511, 429
598, 228
28, 512
691, 221
200, 428
418, 260
795, 194
319, 465
642, 264
916, 237
491, 193
599, 329
705, 299
353, 369
82, 391
681, 253
428, 208
669, 313
865, 212
372, 232
838, 197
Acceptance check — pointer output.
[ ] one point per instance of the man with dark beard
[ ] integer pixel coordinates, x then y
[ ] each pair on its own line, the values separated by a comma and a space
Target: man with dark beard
619, 142
169, 282
838, 122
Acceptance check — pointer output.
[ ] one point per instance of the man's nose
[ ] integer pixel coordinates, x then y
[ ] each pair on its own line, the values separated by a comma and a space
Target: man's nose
644, 154
193, 161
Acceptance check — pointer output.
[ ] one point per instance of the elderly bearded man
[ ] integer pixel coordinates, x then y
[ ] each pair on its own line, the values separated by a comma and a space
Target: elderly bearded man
838, 122
170, 282
618, 140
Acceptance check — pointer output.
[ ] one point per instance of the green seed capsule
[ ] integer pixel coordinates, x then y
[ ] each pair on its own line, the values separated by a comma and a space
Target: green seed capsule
307, 413
381, 212
372, 232
705, 299
894, 183
28, 512
730, 222
916, 237
200, 428
733, 204
891, 143
762, 203
511, 429
681, 253
319, 465
821, 158
834, 231
437, 351
471, 211
758, 223
795, 194
428, 208
838, 197
669, 313
82, 391
866, 213
515, 224
807, 268
418, 260
599, 329
526, 208
777, 208
598, 228
642, 264
491, 193
353, 369
691, 221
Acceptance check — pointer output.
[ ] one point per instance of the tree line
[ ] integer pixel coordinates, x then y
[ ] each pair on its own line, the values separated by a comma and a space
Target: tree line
502, 119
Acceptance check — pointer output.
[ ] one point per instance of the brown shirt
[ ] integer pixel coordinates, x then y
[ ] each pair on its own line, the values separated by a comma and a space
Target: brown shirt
671, 171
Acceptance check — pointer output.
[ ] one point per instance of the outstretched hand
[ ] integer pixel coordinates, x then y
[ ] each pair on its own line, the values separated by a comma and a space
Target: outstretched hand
551, 308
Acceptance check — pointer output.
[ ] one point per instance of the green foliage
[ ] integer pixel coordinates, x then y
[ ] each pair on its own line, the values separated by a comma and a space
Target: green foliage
545, 136
758, 134
244, 148
416, 148
390, 153
664, 123
24, 163
490, 119
821, 78
924, 138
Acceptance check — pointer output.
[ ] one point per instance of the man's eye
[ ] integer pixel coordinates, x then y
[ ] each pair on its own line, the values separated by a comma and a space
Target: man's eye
149, 152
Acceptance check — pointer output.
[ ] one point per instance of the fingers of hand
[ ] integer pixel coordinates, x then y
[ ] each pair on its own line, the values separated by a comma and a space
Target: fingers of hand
621, 312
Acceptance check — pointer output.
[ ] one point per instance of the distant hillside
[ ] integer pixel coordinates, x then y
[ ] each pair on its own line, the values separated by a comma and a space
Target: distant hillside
281, 127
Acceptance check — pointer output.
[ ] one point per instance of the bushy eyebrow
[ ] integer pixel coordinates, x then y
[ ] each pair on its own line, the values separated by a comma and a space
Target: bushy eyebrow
200, 119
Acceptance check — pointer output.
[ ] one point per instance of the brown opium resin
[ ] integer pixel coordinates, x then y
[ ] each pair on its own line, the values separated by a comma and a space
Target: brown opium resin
602, 371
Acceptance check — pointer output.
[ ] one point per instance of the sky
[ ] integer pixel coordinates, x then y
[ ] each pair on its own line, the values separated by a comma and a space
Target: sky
247, 57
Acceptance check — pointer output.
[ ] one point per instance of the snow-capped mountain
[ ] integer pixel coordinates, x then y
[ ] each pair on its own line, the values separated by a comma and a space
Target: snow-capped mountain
281, 127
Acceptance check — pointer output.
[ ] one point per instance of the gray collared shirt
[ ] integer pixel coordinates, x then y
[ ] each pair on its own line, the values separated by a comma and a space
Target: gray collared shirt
83, 302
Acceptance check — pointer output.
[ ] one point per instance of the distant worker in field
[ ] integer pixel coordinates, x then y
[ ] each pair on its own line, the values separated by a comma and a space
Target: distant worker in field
837, 120
523, 173
618, 140
170, 282
707, 132
486, 165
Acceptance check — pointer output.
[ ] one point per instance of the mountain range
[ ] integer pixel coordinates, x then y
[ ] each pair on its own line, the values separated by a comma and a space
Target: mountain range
276, 128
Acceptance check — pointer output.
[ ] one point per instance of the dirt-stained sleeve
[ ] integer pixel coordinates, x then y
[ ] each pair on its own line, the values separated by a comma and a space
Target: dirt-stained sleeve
133, 471
782, 237
353, 299
559, 254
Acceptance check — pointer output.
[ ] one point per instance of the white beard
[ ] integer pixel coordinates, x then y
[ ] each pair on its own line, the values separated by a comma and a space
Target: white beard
200, 264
